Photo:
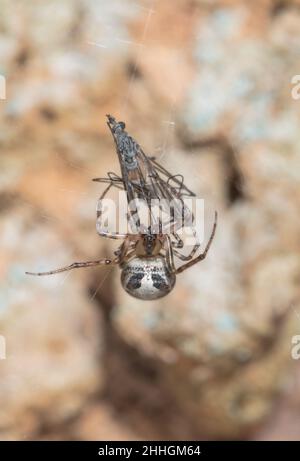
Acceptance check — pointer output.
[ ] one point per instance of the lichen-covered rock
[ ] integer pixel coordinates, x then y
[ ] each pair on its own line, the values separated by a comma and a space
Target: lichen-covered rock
210, 96
53, 347
221, 339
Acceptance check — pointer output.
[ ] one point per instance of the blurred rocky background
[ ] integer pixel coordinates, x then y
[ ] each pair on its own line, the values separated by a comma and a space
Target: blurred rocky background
206, 87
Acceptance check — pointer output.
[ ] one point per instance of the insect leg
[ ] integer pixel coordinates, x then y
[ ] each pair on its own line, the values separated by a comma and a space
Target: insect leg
179, 243
111, 178
115, 183
192, 252
202, 255
169, 175
110, 235
169, 255
183, 257
100, 230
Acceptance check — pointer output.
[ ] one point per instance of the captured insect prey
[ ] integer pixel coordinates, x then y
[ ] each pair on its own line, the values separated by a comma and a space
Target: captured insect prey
151, 241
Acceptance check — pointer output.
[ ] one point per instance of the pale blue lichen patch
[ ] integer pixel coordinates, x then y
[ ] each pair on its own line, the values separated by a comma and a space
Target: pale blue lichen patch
151, 319
226, 323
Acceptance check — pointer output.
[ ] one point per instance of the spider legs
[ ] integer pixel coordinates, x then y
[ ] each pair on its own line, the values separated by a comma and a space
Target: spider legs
77, 265
202, 255
122, 253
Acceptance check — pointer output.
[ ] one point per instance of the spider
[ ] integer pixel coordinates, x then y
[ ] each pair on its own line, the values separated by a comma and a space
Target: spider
146, 258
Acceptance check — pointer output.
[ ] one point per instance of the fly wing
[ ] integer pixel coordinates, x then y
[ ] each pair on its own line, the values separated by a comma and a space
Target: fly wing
145, 179
175, 180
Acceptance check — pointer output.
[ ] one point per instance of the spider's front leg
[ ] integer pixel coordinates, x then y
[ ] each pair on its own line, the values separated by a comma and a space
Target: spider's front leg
77, 265
121, 255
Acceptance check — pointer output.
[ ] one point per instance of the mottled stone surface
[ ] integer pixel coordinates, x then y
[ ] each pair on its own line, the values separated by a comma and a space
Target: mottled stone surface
210, 96
53, 348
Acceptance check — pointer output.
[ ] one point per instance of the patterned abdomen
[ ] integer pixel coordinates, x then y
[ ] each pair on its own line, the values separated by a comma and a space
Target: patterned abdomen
147, 278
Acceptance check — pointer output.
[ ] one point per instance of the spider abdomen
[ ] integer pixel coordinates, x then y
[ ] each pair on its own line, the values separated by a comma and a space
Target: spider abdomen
147, 278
